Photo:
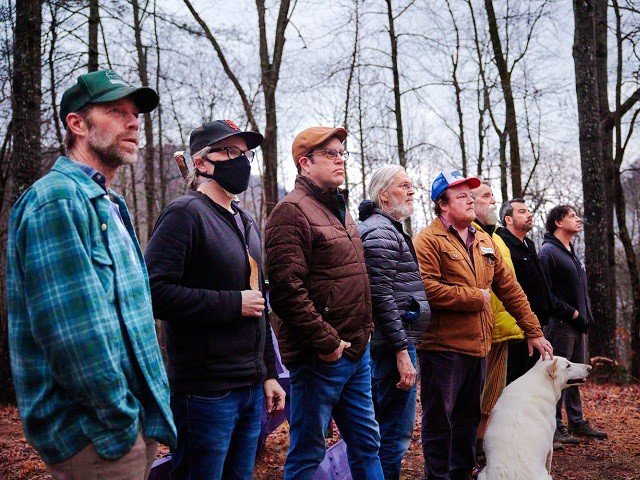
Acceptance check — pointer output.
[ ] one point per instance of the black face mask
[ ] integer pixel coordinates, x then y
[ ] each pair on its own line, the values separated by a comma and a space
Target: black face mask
232, 175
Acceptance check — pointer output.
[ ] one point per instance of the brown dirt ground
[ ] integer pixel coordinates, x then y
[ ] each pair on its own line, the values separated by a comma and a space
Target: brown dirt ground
612, 407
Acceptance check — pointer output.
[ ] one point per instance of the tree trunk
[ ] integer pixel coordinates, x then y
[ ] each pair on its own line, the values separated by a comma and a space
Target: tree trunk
600, 274
94, 22
270, 69
397, 101
53, 32
26, 102
511, 122
352, 69
149, 160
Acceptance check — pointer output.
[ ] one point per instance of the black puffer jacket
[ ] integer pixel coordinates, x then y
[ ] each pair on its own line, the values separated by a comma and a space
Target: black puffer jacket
396, 286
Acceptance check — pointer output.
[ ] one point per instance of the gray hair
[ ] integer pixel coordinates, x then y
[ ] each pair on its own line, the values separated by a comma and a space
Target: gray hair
193, 179
381, 180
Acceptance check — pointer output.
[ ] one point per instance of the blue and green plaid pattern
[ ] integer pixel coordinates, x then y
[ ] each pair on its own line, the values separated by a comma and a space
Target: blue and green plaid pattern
84, 354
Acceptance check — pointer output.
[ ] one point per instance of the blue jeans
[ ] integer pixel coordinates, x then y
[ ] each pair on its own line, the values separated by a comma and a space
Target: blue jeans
217, 434
395, 408
341, 389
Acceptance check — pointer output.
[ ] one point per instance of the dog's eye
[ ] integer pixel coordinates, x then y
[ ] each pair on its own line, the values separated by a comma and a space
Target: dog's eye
568, 367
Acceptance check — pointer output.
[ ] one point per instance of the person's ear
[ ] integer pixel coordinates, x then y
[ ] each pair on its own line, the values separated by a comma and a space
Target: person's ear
199, 164
304, 164
383, 196
77, 124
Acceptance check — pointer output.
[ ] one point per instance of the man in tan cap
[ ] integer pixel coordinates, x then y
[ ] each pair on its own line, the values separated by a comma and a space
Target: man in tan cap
320, 292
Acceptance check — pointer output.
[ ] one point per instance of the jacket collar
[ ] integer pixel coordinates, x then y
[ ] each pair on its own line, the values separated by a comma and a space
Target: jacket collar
369, 208
551, 239
74, 171
323, 195
510, 239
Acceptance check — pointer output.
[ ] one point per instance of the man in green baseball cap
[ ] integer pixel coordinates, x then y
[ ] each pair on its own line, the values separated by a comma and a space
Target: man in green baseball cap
89, 379
102, 87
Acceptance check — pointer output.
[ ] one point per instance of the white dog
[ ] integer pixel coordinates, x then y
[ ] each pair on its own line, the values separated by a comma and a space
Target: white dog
519, 439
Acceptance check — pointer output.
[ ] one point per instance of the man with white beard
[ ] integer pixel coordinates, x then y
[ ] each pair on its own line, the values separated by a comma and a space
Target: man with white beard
87, 369
400, 310
505, 327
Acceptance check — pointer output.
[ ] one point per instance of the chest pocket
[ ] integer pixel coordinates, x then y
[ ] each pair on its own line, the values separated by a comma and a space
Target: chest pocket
103, 266
455, 267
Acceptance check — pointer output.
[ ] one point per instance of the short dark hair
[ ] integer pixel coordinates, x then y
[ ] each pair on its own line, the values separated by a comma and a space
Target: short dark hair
443, 199
556, 214
507, 208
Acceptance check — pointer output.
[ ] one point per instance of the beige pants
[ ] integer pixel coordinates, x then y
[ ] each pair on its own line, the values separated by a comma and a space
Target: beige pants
88, 465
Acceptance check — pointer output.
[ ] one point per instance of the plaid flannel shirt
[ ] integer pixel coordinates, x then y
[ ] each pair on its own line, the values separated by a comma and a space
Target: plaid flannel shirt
84, 354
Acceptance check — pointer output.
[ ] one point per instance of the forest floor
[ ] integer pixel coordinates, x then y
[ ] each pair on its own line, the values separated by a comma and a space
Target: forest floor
614, 408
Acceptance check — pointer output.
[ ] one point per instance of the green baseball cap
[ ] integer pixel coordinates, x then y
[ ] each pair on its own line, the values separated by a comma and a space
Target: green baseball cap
101, 87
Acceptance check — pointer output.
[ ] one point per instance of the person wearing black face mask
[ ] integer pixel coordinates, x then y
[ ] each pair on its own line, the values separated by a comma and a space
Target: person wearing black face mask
205, 268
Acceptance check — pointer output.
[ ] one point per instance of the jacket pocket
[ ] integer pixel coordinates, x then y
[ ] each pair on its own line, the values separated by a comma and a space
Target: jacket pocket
103, 266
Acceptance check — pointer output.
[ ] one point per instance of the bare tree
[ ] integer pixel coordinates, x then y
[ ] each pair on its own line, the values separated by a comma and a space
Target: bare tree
619, 195
149, 160
597, 228
26, 102
94, 22
270, 74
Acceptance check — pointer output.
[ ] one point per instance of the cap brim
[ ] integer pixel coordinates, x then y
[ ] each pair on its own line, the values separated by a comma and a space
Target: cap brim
252, 139
339, 132
473, 182
145, 98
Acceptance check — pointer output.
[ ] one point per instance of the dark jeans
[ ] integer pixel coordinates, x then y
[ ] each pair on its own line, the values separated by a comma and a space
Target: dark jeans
518, 360
569, 343
217, 434
450, 388
395, 408
341, 389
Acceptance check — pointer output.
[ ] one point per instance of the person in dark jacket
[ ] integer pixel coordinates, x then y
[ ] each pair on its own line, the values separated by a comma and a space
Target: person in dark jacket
400, 310
204, 261
571, 313
517, 221
320, 292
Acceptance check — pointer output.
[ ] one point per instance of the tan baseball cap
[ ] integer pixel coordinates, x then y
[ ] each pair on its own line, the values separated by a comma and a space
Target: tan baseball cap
310, 138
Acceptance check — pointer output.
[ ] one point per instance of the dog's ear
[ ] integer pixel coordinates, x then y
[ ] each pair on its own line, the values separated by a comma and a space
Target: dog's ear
552, 369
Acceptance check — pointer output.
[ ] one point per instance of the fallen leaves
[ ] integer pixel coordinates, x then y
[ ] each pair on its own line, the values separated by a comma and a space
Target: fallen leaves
613, 408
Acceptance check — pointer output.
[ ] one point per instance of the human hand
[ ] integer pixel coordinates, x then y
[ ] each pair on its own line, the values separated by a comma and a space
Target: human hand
274, 395
406, 370
576, 314
486, 293
542, 345
252, 303
336, 354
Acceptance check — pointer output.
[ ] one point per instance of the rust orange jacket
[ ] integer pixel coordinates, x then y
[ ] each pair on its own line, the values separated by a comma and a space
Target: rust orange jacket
459, 321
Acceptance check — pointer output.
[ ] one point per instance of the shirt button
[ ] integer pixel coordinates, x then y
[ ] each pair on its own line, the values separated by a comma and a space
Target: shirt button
103, 227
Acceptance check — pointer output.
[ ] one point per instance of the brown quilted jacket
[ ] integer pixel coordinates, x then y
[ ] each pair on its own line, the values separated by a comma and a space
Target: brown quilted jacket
319, 284
459, 323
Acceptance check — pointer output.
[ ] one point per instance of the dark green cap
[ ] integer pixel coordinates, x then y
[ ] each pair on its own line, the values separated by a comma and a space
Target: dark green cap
101, 87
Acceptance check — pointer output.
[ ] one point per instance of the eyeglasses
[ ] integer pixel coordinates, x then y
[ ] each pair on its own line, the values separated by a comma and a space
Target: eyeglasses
331, 153
405, 186
233, 152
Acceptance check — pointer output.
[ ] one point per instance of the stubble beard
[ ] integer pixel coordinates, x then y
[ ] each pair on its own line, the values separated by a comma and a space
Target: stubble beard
107, 149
